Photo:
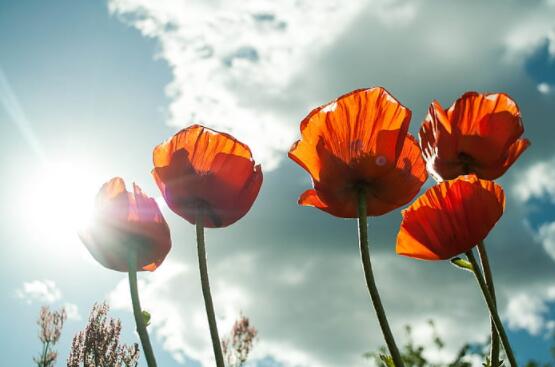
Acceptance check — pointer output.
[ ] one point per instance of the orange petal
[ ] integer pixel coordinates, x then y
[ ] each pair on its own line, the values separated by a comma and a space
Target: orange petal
450, 218
126, 222
338, 209
350, 127
201, 170
202, 145
245, 198
111, 189
310, 198
496, 170
150, 267
113, 200
399, 185
439, 146
231, 190
474, 136
487, 124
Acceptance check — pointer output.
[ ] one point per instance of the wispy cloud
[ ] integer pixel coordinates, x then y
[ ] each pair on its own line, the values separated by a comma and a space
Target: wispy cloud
537, 182
46, 292
72, 311
527, 313
234, 63
41, 291
242, 66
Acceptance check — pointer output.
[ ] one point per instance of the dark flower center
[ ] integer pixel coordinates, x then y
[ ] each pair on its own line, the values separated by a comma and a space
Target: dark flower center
466, 161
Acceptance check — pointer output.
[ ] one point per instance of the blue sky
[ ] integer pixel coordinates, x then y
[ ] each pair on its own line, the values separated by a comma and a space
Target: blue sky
87, 89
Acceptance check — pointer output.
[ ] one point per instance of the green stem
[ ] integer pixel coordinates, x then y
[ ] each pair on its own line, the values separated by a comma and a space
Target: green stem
484, 262
201, 248
492, 309
371, 284
137, 312
45, 346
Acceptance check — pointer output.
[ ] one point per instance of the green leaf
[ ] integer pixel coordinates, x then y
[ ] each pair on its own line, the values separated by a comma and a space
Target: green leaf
146, 317
462, 264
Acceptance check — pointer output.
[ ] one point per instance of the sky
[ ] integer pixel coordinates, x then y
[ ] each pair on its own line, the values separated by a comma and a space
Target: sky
87, 89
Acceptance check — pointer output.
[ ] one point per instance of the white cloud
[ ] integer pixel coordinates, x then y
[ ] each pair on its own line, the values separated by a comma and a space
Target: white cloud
546, 235
526, 312
292, 328
535, 27
40, 291
177, 312
538, 181
255, 68
544, 88
72, 311
232, 61
239, 65
46, 292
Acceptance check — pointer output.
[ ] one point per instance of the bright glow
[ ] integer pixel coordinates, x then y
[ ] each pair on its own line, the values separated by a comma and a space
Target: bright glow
57, 200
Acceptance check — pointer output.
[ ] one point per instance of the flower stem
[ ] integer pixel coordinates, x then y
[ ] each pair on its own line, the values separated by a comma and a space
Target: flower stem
492, 309
137, 312
201, 249
484, 262
371, 284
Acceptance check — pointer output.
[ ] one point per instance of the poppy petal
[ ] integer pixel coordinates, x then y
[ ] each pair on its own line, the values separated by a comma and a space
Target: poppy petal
359, 141
350, 127
439, 146
202, 145
443, 222
126, 222
238, 184
200, 170
246, 197
402, 183
475, 135
113, 200
499, 168
493, 116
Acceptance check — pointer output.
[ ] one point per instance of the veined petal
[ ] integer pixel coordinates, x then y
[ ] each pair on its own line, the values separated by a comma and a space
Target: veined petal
450, 218
126, 222
200, 170
351, 127
475, 135
202, 146
359, 141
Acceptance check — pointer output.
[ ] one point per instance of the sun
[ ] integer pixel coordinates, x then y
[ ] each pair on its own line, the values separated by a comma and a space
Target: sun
57, 200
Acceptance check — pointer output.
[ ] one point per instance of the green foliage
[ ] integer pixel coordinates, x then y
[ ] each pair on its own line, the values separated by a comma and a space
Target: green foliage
413, 354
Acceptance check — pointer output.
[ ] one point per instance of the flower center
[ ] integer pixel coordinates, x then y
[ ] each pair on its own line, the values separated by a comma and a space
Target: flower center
466, 161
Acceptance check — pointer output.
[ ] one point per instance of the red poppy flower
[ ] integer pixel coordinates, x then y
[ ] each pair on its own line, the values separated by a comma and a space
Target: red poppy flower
450, 218
359, 141
200, 170
124, 222
479, 133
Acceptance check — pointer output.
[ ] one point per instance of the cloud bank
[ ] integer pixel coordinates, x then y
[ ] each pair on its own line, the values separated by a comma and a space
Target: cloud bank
255, 69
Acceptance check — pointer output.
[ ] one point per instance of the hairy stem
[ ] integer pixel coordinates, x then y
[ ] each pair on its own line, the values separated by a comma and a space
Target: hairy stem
484, 262
371, 284
492, 309
201, 249
137, 311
